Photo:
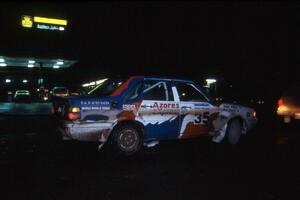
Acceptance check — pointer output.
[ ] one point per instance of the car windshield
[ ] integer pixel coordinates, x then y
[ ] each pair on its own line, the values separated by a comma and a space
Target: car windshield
107, 87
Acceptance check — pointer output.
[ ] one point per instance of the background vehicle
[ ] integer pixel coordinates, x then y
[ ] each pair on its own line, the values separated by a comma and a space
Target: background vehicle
140, 110
289, 105
59, 92
22, 96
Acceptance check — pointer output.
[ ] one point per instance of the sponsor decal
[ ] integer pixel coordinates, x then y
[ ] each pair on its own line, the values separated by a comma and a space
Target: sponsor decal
95, 108
129, 107
130, 111
161, 106
201, 104
101, 103
230, 108
94, 105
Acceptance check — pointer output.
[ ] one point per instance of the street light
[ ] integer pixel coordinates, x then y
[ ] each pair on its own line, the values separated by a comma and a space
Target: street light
60, 62
210, 81
7, 80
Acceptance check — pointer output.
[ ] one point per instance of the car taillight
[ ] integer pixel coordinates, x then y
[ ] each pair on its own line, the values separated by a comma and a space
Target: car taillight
73, 116
280, 102
74, 113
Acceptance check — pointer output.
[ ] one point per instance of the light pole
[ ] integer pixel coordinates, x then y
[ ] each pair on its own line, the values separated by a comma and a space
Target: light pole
40, 80
209, 82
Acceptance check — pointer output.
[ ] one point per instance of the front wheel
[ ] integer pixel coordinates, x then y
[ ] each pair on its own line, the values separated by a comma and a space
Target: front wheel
234, 131
127, 140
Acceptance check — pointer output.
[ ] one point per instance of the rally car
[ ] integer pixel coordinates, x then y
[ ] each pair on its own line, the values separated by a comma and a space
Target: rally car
129, 113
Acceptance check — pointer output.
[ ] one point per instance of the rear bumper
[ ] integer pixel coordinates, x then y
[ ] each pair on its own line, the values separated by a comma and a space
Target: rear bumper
92, 132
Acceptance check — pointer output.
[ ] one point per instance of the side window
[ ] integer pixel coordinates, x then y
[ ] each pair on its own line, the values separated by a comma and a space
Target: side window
154, 90
134, 91
187, 92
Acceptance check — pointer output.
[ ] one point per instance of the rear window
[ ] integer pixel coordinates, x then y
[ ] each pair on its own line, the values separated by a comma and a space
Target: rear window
107, 87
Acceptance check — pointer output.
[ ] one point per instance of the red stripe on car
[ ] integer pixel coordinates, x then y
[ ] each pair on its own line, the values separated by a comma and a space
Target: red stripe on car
124, 86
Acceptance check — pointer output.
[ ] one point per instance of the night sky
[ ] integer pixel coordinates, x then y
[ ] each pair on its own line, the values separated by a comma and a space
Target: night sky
249, 44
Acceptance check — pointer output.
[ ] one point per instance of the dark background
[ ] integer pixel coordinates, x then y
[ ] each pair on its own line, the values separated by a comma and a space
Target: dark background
252, 47
249, 45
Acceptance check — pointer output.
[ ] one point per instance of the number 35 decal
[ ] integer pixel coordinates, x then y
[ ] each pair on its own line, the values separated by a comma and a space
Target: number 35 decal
202, 118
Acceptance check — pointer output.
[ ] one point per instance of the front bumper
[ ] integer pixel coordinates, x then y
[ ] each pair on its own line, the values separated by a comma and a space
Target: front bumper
294, 115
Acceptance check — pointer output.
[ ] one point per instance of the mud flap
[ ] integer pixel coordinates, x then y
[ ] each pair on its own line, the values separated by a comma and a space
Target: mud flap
100, 146
151, 144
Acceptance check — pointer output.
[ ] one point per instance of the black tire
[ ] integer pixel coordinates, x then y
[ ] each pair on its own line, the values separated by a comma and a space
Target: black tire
234, 132
127, 140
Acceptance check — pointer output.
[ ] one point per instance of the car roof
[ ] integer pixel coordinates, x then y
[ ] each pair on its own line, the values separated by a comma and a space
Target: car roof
153, 78
164, 78
20, 91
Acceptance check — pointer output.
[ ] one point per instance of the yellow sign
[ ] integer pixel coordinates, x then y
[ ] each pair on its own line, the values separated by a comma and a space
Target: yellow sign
44, 23
27, 21
50, 21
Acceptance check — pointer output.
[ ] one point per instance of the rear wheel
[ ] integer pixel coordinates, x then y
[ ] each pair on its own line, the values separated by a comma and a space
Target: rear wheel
234, 131
127, 140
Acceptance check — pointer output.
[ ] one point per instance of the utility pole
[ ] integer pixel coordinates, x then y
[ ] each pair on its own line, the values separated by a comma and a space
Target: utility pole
40, 80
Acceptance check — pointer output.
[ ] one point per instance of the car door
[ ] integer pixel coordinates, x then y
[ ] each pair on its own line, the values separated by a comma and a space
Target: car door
159, 112
195, 111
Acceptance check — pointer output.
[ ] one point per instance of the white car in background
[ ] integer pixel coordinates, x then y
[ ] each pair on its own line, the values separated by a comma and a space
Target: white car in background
59, 92
22, 96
